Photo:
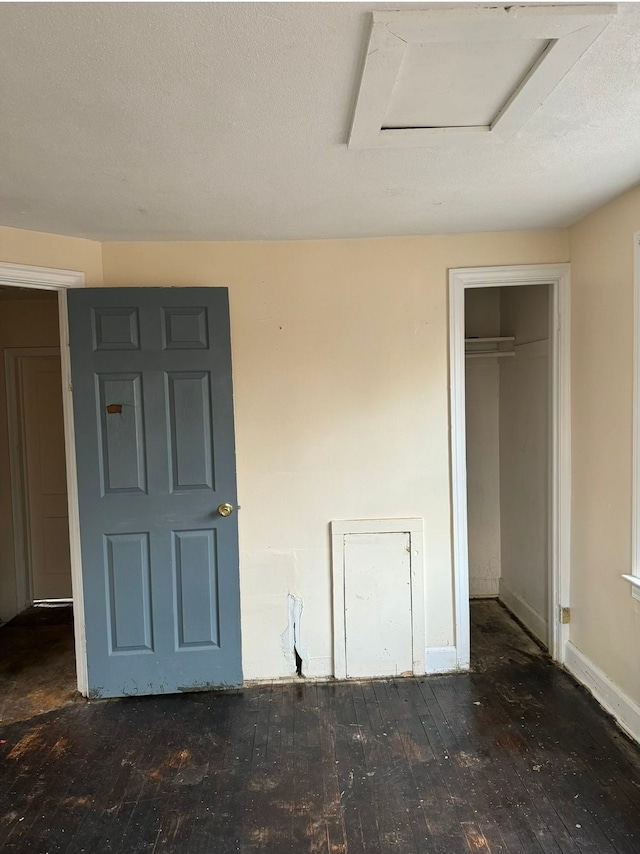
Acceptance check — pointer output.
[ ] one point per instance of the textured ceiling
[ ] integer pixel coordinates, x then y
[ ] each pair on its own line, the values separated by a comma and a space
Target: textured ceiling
229, 122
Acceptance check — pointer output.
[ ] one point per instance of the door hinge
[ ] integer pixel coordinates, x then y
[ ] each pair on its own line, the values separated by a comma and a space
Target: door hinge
565, 616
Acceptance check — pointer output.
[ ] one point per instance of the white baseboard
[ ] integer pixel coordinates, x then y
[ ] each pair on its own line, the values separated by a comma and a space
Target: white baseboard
441, 659
612, 699
527, 615
318, 667
480, 588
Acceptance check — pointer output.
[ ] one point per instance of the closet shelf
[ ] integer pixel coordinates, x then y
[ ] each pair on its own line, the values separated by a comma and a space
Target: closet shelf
489, 346
489, 353
493, 339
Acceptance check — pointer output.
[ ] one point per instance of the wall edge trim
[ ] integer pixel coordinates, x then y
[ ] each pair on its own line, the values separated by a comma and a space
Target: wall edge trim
635, 463
45, 278
624, 710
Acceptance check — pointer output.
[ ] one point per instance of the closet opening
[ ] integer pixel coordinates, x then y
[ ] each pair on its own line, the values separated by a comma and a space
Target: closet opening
508, 443
511, 451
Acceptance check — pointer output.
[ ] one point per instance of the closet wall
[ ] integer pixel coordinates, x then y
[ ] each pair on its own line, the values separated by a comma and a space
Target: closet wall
524, 457
507, 411
482, 319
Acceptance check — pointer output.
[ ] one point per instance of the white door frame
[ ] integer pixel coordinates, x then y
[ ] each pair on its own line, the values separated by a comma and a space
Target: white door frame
558, 277
51, 279
13, 357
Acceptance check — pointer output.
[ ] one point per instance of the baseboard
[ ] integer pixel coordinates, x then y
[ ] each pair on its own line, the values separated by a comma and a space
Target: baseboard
318, 667
527, 615
438, 659
624, 710
441, 659
479, 588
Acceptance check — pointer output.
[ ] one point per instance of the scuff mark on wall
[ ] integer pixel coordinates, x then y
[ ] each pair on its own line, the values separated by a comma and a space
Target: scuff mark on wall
296, 657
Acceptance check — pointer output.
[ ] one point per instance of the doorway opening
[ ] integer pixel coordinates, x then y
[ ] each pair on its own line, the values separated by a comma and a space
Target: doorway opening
510, 439
43, 665
37, 665
507, 414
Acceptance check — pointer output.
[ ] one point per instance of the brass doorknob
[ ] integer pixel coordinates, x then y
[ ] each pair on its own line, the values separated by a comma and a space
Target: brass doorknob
225, 509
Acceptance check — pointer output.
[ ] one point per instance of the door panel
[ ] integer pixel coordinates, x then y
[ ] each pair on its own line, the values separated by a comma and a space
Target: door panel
40, 396
190, 433
129, 592
122, 440
153, 408
196, 580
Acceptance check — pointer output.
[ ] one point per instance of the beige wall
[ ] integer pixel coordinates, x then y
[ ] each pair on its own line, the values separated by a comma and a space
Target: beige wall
605, 619
341, 401
52, 250
341, 398
343, 411
23, 323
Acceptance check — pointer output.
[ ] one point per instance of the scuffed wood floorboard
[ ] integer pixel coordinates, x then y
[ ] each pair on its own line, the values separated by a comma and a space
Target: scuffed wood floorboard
513, 757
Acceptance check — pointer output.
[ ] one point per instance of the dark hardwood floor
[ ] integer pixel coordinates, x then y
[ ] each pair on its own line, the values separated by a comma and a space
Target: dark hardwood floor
512, 757
37, 664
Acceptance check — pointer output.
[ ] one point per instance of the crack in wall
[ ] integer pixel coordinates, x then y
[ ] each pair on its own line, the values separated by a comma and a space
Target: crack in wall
294, 653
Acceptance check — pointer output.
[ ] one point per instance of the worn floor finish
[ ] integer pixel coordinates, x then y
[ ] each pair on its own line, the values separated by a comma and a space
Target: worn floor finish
37, 664
513, 757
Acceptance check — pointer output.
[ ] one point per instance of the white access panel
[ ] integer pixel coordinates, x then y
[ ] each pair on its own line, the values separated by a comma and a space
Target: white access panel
377, 597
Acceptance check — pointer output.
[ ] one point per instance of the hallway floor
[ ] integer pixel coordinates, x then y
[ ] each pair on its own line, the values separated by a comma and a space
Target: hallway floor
512, 757
37, 664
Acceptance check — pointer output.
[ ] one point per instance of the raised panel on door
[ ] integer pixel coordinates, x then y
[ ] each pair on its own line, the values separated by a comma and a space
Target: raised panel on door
196, 584
128, 585
121, 443
190, 430
153, 409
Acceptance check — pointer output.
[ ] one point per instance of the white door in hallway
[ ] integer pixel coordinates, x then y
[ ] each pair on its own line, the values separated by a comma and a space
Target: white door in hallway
45, 479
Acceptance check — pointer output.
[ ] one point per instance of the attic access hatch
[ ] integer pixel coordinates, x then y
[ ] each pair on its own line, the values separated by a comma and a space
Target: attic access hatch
477, 73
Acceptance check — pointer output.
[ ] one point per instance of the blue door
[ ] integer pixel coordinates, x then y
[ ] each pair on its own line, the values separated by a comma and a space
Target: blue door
153, 409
